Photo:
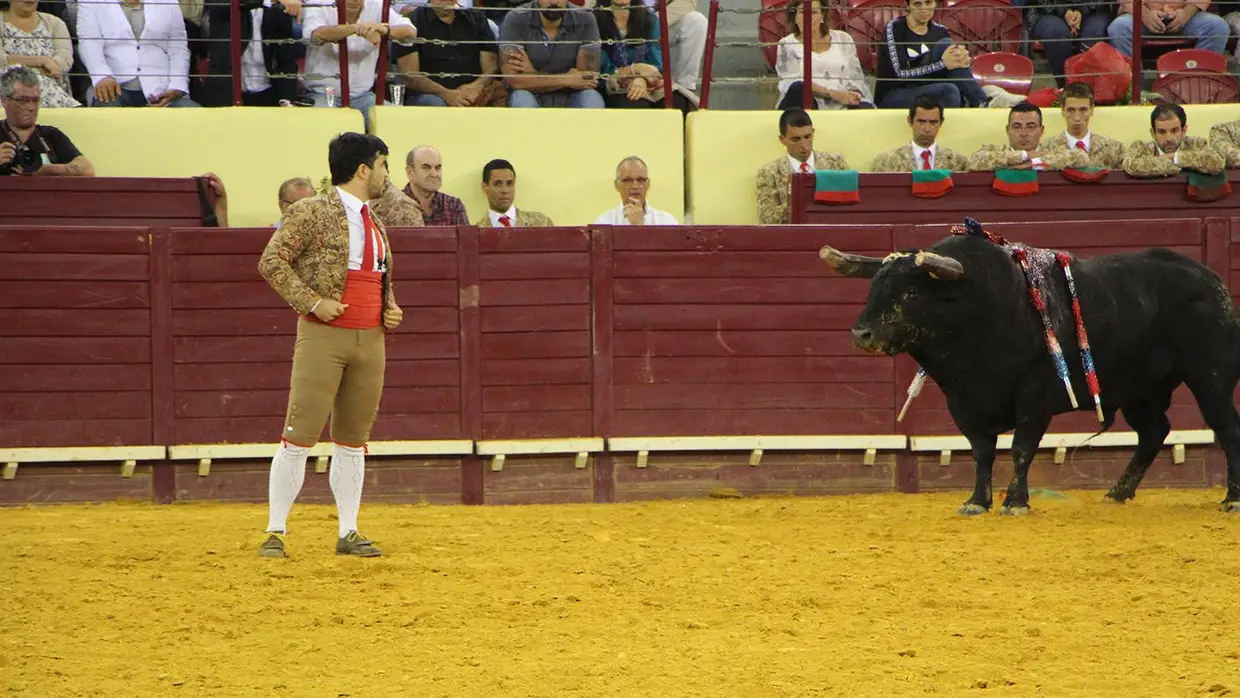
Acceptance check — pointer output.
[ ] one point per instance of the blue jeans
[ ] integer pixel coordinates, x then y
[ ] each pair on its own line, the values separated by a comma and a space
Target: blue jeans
578, 99
362, 102
422, 99
1210, 31
135, 98
959, 88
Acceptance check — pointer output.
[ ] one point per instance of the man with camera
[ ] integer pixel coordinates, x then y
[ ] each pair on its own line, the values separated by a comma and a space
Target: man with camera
25, 147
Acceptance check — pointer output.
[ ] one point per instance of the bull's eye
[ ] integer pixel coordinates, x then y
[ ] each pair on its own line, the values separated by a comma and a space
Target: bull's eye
910, 294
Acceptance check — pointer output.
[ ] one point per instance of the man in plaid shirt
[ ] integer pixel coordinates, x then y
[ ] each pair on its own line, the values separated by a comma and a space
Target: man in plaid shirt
424, 168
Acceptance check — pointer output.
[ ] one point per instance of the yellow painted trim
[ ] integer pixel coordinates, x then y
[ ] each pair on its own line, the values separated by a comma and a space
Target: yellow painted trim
458, 447
1065, 440
840, 442
513, 447
68, 454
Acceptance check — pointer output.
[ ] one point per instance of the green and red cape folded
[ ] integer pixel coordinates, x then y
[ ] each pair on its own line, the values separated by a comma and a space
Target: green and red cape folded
1207, 187
1085, 174
931, 184
1016, 182
836, 187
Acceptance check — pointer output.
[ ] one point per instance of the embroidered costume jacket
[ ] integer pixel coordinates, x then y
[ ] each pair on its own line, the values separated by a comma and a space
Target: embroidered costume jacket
525, 219
995, 157
397, 210
1143, 160
773, 191
1104, 151
307, 258
901, 160
1225, 139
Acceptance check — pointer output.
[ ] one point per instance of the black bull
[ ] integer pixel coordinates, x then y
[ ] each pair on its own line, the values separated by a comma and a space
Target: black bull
962, 310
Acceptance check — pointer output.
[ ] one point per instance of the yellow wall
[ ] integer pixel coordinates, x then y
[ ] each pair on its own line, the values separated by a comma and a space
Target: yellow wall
252, 149
565, 158
726, 148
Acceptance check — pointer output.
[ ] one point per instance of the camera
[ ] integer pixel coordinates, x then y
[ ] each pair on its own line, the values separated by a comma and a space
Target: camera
27, 159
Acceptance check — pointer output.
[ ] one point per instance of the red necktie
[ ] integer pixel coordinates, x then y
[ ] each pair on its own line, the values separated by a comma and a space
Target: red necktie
805, 168
504, 221
373, 243
1080, 145
925, 160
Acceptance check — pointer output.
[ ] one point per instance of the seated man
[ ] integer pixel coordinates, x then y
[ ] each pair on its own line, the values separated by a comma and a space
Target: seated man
1067, 28
26, 148
1024, 131
925, 118
424, 168
261, 21
1077, 110
919, 57
796, 133
1225, 139
292, 191
543, 74
633, 184
471, 61
1171, 149
364, 32
499, 185
1161, 18
137, 53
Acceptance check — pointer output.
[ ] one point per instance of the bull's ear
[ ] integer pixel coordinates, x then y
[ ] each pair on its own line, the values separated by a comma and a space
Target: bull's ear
850, 264
939, 266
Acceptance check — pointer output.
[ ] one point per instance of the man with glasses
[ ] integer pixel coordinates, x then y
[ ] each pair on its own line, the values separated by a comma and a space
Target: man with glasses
633, 184
27, 148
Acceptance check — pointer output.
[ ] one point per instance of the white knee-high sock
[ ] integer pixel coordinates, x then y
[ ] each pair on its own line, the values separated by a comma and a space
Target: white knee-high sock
348, 470
288, 472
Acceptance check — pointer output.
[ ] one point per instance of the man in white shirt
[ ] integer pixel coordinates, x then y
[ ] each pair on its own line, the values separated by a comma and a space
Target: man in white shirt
925, 118
633, 183
362, 35
137, 53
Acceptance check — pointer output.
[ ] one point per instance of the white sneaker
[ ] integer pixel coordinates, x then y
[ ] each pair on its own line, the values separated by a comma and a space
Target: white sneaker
1001, 98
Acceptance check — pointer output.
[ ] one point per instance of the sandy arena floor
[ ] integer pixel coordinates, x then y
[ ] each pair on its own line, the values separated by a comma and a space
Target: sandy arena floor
875, 595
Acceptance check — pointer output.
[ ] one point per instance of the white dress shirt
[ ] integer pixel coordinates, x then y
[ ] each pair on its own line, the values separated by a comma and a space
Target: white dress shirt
511, 213
357, 232
796, 164
1072, 141
323, 58
653, 217
918, 164
253, 67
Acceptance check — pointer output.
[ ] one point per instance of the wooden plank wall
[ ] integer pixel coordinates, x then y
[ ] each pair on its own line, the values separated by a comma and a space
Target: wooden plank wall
75, 351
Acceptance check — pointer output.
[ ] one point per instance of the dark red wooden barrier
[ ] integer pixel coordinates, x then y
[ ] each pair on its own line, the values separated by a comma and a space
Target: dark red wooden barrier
888, 198
100, 201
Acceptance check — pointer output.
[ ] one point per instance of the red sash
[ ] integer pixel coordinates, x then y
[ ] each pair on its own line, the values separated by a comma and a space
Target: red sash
363, 289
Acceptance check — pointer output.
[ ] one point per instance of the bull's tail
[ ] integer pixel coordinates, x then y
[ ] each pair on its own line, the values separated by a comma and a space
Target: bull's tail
1107, 422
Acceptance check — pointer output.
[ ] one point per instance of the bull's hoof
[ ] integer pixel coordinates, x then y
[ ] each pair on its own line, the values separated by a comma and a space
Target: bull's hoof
972, 510
1116, 497
1230, 507
1013, 511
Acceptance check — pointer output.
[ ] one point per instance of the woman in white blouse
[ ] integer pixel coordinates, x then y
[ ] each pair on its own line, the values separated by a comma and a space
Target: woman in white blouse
41, 41
838, 81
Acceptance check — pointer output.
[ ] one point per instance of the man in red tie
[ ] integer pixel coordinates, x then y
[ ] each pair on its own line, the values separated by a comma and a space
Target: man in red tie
499, 185
330, 260
1077, 110
796, 134
925, 118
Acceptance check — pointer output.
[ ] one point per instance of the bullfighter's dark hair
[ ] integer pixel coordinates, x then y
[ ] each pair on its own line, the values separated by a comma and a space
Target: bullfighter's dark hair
496, 164
1164, 110
928, 103
1078, 90
1025, 106
793, 118
351, 150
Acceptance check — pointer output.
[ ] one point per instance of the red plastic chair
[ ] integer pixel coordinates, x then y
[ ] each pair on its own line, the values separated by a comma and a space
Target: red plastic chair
985, 26
866, 22
1195, 86
1009, 71
1191, 59
773, 24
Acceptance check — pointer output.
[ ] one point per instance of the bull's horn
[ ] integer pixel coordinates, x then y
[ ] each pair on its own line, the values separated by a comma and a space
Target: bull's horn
940, 267
850, 264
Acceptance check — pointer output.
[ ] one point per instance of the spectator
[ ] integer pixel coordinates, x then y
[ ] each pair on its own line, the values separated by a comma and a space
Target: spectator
40, 41
424, 168
1024, 132
472, 62
1066, 29
1171, 149
633, 184
292, 191
542, 74
686, 41
499, 185
1077, 110
261, 19
27, 148
1171, 18
633, 66
920, 58
838, 81
407, 8
925, 118
136, 52
363, 31
796, 133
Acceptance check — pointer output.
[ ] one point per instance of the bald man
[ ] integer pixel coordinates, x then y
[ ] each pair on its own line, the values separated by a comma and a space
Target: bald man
424, 167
